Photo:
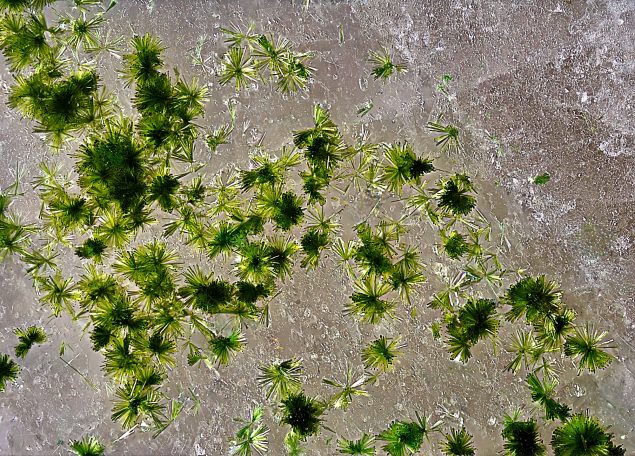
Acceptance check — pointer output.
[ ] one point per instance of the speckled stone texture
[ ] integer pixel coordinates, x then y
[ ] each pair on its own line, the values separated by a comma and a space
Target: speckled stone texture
544, 86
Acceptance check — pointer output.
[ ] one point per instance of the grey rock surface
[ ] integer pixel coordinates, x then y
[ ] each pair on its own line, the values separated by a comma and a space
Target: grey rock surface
537, 87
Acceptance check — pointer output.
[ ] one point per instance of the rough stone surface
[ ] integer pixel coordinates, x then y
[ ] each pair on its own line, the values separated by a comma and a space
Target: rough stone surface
538, 87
